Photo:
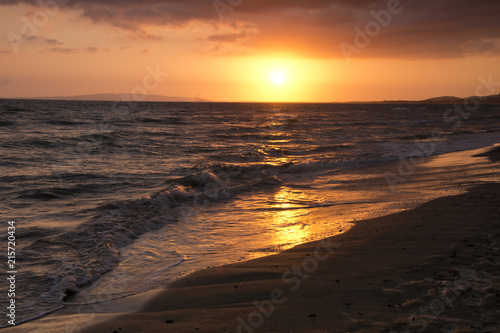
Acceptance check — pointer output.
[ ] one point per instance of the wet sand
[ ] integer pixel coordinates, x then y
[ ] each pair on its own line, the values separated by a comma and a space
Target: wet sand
493, 154
434, 268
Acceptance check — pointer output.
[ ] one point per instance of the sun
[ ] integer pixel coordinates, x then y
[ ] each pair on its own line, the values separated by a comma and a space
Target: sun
278, 77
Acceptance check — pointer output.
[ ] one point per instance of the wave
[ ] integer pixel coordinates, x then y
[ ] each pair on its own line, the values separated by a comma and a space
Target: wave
236, 136
6, 123
54, 143
313, 165
389, 122
164, 120
150, 120
38, 195
14, 109
160, 134
56, 192
74, 259
96, 137
424, 136
327, 149
64, 123
30, 143
66, 176
300, 206
33, 232
416, 136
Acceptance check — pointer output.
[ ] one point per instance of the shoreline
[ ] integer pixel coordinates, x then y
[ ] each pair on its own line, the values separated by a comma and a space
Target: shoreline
425, 269
241, 284
372, 278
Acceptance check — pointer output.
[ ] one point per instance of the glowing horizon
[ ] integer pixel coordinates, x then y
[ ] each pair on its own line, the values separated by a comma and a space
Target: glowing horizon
329, 51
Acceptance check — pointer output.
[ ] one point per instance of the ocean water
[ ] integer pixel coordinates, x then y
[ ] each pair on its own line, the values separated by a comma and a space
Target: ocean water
113, 199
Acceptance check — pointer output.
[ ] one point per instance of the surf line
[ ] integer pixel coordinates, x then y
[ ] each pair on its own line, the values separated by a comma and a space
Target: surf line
64, 305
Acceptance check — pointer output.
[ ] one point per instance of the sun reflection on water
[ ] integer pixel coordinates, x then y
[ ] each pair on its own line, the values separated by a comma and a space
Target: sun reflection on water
287, 220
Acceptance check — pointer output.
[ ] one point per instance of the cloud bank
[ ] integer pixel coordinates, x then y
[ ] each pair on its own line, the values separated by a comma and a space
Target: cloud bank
420, 29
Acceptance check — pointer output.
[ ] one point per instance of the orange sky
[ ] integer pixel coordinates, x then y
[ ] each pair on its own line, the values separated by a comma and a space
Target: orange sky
251, 50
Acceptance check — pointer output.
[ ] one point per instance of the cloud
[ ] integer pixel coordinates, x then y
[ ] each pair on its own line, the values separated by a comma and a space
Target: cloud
31, 38
93, 49
64, 50
423, 29
53, 41
69, 50
230, 40
231, 37
149, 50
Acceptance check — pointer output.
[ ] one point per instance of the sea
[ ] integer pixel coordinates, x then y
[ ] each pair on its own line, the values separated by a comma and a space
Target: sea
112, 199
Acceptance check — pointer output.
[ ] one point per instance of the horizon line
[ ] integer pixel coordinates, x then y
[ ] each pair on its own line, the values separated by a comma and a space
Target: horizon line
81, 98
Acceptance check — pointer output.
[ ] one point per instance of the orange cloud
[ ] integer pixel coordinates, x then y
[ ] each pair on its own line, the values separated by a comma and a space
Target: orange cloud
423, 29
70, 50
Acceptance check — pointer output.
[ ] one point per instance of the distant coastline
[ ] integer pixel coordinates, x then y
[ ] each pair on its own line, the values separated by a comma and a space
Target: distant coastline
492, 99
116, 98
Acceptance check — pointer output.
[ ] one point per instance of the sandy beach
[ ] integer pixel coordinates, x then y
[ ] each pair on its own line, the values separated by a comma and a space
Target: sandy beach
430, 269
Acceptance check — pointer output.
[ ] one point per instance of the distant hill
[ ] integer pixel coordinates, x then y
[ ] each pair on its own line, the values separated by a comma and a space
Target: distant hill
493, 99
121, 97
443, 99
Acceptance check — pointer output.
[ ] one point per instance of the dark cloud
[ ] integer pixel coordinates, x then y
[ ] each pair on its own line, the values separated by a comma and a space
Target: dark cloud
33, 38
93, 49
53, 42
64, 50
424, 28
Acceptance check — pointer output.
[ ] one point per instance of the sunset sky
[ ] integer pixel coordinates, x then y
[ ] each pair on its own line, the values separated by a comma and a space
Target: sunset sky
250, 50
